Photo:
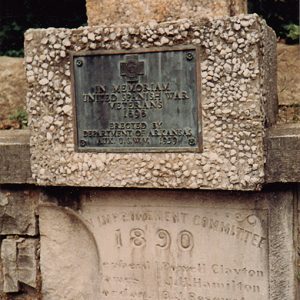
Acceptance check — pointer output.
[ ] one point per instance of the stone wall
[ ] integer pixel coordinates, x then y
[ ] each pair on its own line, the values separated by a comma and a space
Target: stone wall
150, 235
19, 268
234, 90
288, 83
109, 12
49, 230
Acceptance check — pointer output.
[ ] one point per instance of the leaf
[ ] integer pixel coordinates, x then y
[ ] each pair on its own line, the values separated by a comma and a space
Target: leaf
293, 31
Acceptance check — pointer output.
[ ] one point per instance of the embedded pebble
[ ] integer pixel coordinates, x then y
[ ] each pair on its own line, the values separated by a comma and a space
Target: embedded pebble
164, 41
50, 75
245, 23
67, 109
91, 36
44, 41
84, 39
66, 42
44, 81
49, 136
237, 26
227, 68
28, 37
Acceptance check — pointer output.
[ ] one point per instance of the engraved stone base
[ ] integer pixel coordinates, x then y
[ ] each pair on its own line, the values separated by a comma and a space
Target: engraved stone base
237, 98
169, 245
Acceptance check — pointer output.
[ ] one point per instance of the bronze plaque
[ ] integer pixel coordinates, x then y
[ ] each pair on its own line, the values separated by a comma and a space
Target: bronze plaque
137, 101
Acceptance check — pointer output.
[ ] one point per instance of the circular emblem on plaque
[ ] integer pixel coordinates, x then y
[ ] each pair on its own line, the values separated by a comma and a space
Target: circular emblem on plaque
131, 69
83, 143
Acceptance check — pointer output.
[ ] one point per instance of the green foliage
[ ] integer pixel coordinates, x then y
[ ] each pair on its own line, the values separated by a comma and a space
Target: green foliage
21, 116
293, 31
16, 16
281, 15
10, 40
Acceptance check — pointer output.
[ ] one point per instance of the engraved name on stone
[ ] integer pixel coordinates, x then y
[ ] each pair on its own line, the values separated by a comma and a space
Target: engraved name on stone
140, 101
187, 253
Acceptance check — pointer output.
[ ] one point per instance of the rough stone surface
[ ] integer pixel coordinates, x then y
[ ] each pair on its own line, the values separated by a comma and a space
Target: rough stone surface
27, 261
233, 113
283, 282
9, 265
134, 11
158, 244
15, 157
19, 265
17, 211
288, 74
288, 83
69, 256
12, 85
283, 154
282, 161
269, 60
288, 114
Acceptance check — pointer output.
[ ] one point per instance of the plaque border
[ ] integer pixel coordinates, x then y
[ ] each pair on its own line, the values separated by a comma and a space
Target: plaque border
199, 149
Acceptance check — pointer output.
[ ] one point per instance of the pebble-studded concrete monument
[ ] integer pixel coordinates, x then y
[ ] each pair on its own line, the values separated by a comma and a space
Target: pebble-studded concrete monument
191, 98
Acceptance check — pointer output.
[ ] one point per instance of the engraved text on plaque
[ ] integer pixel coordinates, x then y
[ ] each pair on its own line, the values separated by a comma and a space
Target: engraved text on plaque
137, 101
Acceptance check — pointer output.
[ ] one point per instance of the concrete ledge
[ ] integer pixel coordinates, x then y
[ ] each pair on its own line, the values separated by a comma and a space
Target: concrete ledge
282, 165
283, 154
15, 157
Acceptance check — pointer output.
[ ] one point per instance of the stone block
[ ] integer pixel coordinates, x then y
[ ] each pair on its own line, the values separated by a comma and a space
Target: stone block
288, 83
235, 61
17, 211
27, 261
168, 245
114, 12
9, 265
19, 263
288, 74
283, 154
69, 256
12, 85
15, 157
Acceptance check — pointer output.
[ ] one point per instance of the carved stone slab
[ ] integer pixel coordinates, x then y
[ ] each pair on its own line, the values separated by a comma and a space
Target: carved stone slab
157, 245
181, 253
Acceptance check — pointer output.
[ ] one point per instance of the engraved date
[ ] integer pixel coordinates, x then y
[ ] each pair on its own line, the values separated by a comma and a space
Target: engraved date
163, 239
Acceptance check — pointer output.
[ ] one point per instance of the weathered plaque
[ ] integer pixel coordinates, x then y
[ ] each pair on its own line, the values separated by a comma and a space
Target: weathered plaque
144, 100
180, 253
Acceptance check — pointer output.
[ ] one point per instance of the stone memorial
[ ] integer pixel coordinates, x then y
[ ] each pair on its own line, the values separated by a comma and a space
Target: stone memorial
202, 112
150, 150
